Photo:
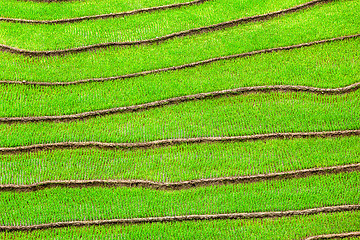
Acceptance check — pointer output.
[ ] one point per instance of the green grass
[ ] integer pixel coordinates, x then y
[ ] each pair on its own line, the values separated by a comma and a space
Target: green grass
180, 163
71, 9
144, 26
69, 204
321, 22
330, 65
239, 115
297, 227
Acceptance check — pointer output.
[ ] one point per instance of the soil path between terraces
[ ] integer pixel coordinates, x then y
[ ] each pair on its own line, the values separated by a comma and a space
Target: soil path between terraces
334, 236
175, 141
48, 1
183, 184
251, 215
102, 16
184, 66
190, 32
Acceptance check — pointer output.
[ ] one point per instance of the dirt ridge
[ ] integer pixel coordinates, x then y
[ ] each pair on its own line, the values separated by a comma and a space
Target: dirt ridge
190, 32
175, 141
126, 221
184, 66
182, 184
48, 1
102, 16
334, 236
182, 99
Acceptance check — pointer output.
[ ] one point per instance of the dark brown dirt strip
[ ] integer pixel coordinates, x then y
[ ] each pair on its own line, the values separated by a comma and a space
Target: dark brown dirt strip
103, 16
177, 100
334, 236
194, 31
184, 66
175, 141
124, 221
184, 184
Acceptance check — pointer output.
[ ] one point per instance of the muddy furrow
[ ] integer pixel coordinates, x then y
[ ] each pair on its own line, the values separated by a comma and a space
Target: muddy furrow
194, 31
183, 184
184, 66
176, 100
124, 221
334, 236
175, 141
103, 16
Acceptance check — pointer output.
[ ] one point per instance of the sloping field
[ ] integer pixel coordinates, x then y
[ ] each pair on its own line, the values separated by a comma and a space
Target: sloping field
158, 119
298, 227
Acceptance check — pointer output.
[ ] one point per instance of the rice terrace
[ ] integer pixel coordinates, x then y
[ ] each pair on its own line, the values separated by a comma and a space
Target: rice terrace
180, 119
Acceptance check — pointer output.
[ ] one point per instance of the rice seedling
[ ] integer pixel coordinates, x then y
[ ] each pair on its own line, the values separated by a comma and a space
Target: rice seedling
328, 66
130, 28
72, 9
239, 115
70, 204
313, 24
281, 228
288, 117
180, 163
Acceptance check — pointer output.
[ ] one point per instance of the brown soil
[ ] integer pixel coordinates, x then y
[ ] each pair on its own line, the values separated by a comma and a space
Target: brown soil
334, 236
250, 215
47, 1
176, 100
184, 184
176, 141
184, 66
194, 31
102, 16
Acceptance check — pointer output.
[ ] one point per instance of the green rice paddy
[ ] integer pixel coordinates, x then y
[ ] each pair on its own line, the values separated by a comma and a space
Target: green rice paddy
67, 204
269, 229
327, 65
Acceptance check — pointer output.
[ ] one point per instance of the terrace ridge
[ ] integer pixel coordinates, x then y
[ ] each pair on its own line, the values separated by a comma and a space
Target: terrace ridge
126, 221
190, 32
334, 236
184, 66
102, 16
182, 184
48, 1
182, 99
176, 141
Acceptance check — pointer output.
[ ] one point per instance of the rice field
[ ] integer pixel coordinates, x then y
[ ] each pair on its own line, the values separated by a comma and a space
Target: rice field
281, 228
182, 162
159, 119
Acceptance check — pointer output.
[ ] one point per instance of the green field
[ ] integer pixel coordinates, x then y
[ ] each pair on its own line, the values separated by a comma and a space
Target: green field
46, 37
61, 200
72, 9
59, 204
292, 228
328, 66
179, 163
310, 25
230, 116
282, 228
